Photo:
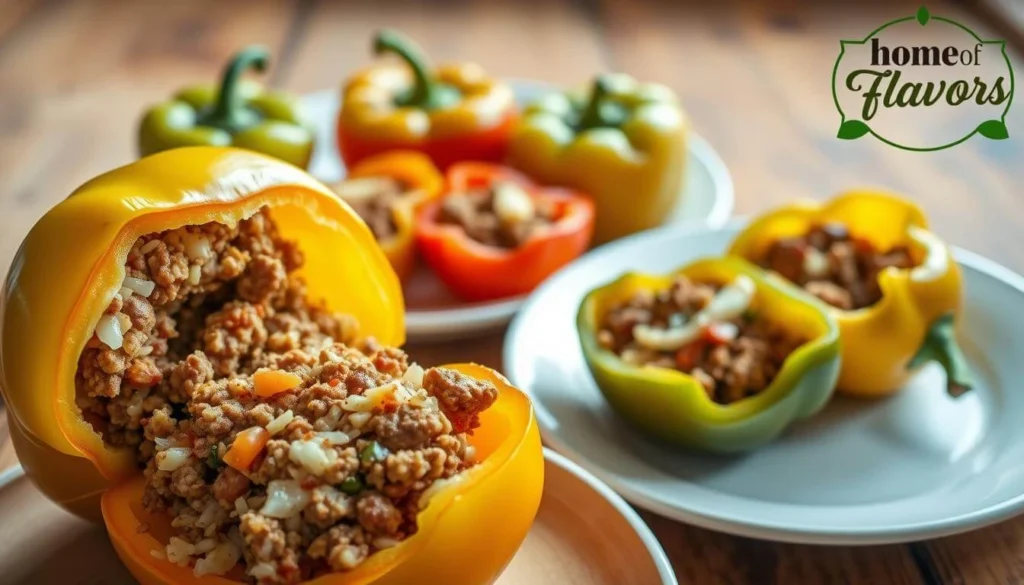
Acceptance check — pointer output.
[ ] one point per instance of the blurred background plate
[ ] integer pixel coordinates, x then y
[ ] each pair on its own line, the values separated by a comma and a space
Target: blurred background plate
432, 314
584, 534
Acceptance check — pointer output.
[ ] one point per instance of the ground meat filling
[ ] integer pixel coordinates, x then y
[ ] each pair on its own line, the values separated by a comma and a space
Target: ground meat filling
503, 216
266, 433
711, 332
373, 198
833, 265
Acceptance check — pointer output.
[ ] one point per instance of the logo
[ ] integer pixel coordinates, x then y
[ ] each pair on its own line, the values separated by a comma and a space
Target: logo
923, 83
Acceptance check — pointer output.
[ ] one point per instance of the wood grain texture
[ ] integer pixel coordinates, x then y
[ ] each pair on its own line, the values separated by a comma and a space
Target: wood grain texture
754, 75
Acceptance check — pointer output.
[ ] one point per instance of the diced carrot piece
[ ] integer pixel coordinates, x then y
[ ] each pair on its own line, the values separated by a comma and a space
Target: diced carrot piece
270, 382
246, 446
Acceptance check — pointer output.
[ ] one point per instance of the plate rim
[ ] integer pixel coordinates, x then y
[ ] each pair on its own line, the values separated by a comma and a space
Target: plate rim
761, 529
650, 541
470, 319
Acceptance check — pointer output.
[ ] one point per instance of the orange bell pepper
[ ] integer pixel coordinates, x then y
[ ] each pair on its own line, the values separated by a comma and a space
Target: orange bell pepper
453, 113
425, 182
477, 272
466, 535
72, 263
246, 446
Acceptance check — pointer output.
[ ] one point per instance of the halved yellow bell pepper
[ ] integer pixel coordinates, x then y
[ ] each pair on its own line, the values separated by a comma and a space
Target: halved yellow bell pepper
912, 324
421, 177
674, 407
72, 263
467, 534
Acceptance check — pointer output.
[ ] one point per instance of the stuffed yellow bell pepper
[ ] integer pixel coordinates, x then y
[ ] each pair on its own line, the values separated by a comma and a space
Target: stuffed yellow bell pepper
73, 288
386, 190
624, 145
902, 286
671, 400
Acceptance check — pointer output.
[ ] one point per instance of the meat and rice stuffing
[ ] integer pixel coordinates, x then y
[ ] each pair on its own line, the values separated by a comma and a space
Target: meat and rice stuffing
263, 430
835, 266
503, 215
373, 199
711, 331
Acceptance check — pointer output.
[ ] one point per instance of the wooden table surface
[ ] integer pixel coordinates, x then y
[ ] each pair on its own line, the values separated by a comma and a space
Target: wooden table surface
753, 74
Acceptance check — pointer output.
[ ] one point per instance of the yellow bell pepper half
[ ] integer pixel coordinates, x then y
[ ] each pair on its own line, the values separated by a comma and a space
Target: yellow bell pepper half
72, 263
467, 534
674, 407
913, 322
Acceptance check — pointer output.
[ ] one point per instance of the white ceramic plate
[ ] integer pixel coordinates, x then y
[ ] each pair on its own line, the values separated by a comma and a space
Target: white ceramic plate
432, 313
913, 466
584, 534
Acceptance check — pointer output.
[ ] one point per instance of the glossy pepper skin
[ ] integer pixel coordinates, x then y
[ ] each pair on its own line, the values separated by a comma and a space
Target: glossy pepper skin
674, 407
477, 272
466, 535
452, 113
624, 146
419, 174
913, 323
72, 263
237, 113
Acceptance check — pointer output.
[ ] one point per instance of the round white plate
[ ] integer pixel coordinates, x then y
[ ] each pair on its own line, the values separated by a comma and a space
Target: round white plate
916, 465
432, 314
584, 534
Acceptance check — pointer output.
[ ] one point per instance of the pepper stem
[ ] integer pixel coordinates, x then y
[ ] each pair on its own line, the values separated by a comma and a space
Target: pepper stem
940, 345
593, 114
426, 92
229, 112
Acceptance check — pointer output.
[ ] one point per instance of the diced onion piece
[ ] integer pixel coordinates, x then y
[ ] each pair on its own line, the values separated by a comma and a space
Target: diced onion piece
218, 561
195, 274
359, 419
172, 458
671, 339
179, 551
246, 446
139, 285
512, 204
312, 455
241, 506
280, 422
363, 188
285, 498
335, 438
108, 330
263, 571
124, 321
197, 246
124, 292
267, 382
732, 299
370, 399
815, 263
414, 375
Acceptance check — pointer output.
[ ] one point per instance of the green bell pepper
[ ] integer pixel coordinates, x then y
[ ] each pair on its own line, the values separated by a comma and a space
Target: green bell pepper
624, 145
674, 407
238, 113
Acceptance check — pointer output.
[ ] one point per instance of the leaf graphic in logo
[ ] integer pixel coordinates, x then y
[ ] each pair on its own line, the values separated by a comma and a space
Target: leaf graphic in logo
923, 16
853, 129
994, 130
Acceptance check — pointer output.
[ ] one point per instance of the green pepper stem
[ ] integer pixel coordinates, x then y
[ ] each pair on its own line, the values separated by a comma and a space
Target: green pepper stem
940, 345
229, 112
592, 113
426, 92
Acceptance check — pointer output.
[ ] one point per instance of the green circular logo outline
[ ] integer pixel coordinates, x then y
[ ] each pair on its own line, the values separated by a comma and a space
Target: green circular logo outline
923, 17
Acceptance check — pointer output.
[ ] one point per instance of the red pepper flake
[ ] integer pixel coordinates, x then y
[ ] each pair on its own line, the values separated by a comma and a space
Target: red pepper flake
721, 333
309, 483
334, 382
